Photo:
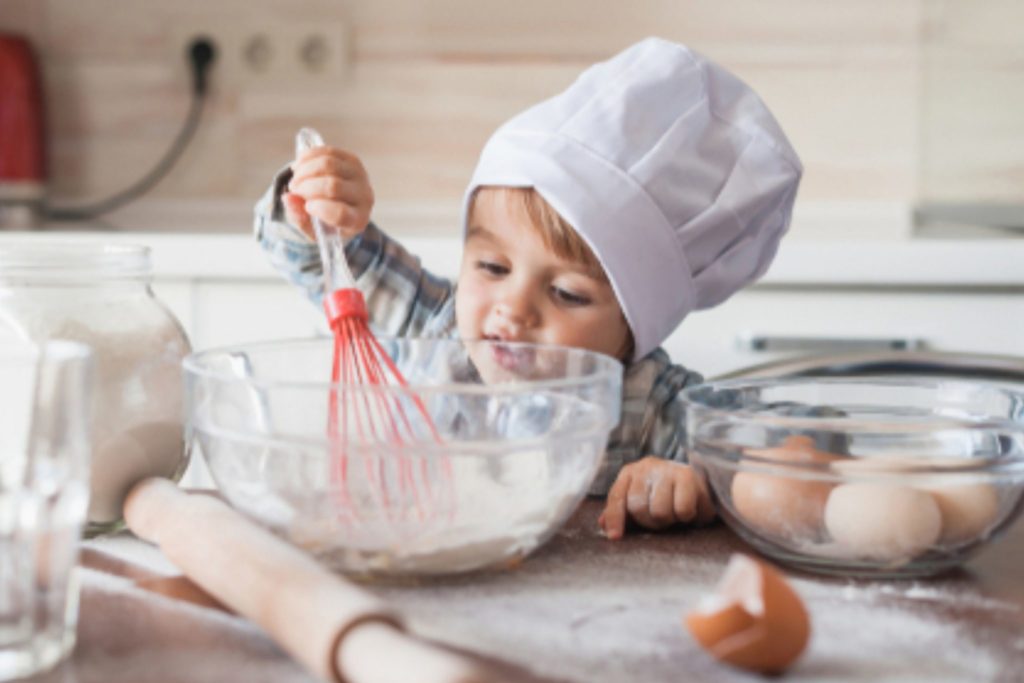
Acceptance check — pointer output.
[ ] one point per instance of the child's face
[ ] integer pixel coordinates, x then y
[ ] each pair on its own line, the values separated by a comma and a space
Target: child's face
513, 288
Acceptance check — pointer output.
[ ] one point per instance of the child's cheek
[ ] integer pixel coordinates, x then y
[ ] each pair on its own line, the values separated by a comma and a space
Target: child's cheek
465, 310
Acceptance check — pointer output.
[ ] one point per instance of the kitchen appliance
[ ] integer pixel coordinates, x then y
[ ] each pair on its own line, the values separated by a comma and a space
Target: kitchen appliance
22, 144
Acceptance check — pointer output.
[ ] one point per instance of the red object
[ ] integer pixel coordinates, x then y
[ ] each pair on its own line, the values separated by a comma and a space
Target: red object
345, 303
22, 149
378, 418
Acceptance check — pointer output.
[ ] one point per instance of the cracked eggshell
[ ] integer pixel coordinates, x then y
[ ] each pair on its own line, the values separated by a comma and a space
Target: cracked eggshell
784, 507
755, 620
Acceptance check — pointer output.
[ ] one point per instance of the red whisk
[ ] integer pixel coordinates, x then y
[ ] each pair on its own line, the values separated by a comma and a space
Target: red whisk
370, 405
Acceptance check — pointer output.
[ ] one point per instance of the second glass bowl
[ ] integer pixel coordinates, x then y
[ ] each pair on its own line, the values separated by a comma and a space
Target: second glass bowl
870, 477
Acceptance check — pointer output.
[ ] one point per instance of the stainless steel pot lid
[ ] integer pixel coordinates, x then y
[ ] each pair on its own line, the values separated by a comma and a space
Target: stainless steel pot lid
933, 363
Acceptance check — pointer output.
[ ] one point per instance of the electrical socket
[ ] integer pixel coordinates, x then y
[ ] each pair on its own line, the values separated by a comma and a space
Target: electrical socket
272, 55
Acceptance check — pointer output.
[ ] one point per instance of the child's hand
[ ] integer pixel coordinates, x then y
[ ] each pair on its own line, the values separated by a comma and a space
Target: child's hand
330, 184
656, 493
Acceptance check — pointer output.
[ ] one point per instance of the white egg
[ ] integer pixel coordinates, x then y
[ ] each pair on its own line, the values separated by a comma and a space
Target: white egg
882, 521
968, 510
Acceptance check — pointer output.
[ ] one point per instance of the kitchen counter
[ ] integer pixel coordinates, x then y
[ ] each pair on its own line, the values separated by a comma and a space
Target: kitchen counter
588, 610
925, 263
836, 243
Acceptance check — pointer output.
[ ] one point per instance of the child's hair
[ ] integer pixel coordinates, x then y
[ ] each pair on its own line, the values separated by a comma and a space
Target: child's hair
554, 231
558, 236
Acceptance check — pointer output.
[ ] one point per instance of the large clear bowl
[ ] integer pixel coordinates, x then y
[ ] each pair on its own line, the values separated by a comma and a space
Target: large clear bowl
518, 433
870, 477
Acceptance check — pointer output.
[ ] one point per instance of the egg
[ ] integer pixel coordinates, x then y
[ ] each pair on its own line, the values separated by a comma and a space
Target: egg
886, 522
755, 620
783, 506
968, 510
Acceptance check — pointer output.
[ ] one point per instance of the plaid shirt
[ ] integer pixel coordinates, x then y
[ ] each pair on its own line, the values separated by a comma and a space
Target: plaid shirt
406, 300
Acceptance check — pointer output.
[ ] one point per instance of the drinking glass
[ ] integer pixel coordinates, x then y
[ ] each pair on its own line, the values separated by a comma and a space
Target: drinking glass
45, 394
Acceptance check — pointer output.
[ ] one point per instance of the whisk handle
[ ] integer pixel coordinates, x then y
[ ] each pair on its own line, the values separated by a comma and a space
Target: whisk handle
337, 274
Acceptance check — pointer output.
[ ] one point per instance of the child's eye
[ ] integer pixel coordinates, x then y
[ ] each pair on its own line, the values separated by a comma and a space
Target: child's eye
570, 298
492, 268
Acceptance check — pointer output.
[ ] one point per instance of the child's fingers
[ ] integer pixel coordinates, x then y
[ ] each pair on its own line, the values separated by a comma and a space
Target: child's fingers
638, 501
357, 196
614, 515
344, 166
662, 503
350, 220
685, 497
330, 187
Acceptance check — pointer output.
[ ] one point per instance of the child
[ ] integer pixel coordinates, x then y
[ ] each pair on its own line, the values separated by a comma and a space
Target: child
656, 184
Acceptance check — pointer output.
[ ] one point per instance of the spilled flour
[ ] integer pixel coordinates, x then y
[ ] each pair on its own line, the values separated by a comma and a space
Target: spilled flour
585, 609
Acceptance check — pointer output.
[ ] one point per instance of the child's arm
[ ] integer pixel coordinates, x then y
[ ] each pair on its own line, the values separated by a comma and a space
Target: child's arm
402, 297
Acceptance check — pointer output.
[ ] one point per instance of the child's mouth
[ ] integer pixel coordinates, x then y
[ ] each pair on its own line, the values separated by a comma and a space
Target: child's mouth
512, 357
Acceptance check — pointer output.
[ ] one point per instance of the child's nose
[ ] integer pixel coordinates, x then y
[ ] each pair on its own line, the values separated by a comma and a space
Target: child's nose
517, 307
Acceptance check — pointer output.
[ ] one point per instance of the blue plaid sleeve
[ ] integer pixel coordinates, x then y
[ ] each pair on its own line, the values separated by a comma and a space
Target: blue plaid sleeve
652, 421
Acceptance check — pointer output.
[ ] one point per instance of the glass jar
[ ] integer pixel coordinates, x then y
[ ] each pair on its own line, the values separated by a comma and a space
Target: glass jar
100, 295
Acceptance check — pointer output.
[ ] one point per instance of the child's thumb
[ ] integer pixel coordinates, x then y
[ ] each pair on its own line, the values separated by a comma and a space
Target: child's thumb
295, 213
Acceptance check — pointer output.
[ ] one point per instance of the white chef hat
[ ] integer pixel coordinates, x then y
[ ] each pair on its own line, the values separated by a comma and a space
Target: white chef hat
671, 169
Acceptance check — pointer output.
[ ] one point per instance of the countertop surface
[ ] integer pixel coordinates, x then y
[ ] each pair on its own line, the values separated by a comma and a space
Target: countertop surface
585, 609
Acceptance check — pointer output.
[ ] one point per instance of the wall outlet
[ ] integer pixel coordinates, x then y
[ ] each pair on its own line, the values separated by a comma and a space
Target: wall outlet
272, 55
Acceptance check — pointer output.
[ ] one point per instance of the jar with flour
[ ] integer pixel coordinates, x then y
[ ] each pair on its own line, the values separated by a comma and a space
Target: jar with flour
100, 295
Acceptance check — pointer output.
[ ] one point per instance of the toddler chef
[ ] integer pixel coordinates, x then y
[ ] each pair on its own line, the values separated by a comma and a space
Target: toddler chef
657, 184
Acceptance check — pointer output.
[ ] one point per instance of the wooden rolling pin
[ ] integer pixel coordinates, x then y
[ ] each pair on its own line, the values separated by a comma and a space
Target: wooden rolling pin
337, 630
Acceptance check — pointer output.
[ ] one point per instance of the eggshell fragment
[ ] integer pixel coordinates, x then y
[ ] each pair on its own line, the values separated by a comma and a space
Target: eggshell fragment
786, 507
755, 620
883, 522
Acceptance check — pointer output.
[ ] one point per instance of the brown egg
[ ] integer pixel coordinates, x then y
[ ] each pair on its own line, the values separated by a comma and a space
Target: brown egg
755, 620
784, 507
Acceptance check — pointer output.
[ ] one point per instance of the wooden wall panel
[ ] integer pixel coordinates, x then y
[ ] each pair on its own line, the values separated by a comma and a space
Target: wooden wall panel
862, 88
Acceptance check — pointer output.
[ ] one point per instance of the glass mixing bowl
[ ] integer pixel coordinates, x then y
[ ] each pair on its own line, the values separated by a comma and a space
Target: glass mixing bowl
515, 435
872, 477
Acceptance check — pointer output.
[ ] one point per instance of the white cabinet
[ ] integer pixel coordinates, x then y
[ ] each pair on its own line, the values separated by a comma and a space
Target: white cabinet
237, 312
766, 323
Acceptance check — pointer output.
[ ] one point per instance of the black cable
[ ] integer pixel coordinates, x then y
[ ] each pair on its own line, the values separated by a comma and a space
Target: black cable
201, 54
